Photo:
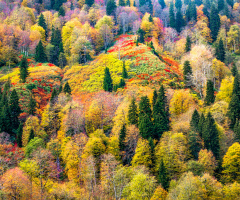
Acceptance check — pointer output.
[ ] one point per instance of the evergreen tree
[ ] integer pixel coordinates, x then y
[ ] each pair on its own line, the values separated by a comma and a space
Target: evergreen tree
179, 21
121, 3
122, 137
195, 144
58, 4
172, 16
56, 38
40, 55
201, 124
54, 95
230, 3
72, 6
178, 4
42, 23
188, 44
210, 98
150, 19
226, 11
124, 71
128, 3
193, 11
220, 5
62, 60
234, 70
220, 51
237, 131
19, 135
152, 147
163, 177
210, 136
5, 120
32, 106
141, 34
67, 89
195, 121
107, 82
15, 110
133, 112
144, 107
155, 95
162, 3
236, 86
187, 73
89, 2
61, 12
111, 7
31, 135
23, 69
60, 89
214, 22
234, 110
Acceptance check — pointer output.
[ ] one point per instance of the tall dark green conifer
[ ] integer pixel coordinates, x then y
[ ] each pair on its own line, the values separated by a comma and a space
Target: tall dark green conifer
89, 2
210, 97
195, 144
23, 70
188, 44
178, 4
234, 70
201, 124
107, 81
15, 110
214, 22
42, 23
31, 135
67, 89
121, 3
19, 135
237, 131
133, 112
194, 121
32, 106
54, 95
236, 85
111, 7
172, 16
220, 5
220, 51
179, 21
162, 3
61, 11
5, 120
122, 137
187, 73
234, 110
155, 95
124, 71
40, 55
163, 177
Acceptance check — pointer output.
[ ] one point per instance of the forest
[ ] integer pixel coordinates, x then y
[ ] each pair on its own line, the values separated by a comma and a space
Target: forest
119, 99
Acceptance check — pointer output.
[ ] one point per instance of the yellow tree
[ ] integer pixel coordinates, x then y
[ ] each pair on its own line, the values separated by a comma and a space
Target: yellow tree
207, 159
225, 91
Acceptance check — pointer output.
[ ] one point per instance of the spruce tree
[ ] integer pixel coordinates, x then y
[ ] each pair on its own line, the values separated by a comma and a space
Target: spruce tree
236, 85
214, 22
89, 2
122, 83
40, 55
237, 131
107, 81
210, 98
195, 144
128, 3
210, 136
162, 3
32, 106
194, 121
220, 51
201, 124
193, 11
150, 19
122, 137
234, 110
42, 23
67, 89
15, 110
179, 21
54, 95
23, 70
230, 3
188, 44
133, 112
187, 73
121, 3
220, 5
234, 70
124, 71
178, 4
72, 6
163, 177
144, 107
19, 135
155, 95
61, 12
31, 135
5, 120
172, 16
111, 7
141, 34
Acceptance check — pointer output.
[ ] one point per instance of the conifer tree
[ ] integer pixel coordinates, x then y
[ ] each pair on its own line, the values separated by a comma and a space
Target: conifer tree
128, 3
107, 81
141, 35
40, 55
236, 85
163, 177
150, 19
179, 21
31, 135
188, 44
61, 12
23, 69
122, 83
201, 124
42, 23
54, 95
178, 4
234, 110
19, 135
230, 3
210, 98
67, 89
195, 120
15, 110
172, 16
89, 2
5, 120
124, 71
60, 89
32, 106
111, 7
162, 3
214, 22
152, 147
122, 137
155, 95
234, 70
72, 6
220, 51
193, 11
144, 107
187, 73
237, 131
121, 3
195, 144
133, 112
210, 136
220, 5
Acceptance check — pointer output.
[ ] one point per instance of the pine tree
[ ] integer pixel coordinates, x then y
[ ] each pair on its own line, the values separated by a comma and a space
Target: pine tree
195, 121
237, 131
210, 98
220, 51
162, 3
32, 106
155, 95
40, 55
72, 6
19, 135
141, 34
178, 4
124, 71
15, 110
144, 107
89, 2
195, 144
163, 177
226, 11
61, 12
128, 3
122, 137
234, 70
67, 89
210, 136
31, 135
133, 112
187, 73
188, 44
201, 124
193, 11
234, 110
23, 69
60, 89
42, 23
5, 120
152, 147
236, 85
230, 3
111, 7
107, 82
150, 19
54, 95
172, 16
179, 21
220, 5
121, 3
214, 22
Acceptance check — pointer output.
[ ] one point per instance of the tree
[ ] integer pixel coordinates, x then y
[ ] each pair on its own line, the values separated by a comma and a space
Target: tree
31, 136
188, 44
40, 55
187, 73
162, 3
163, 177
15, 110
19, 135
179, 21
210, 97
23, 69
210, 136
220, 5
236, 86
214, 22
111, 6
220, 51
67, 89
172, 16
207, 159
195, 121
234, 70
54, 95
5, 120
201, 124
178, 4
122, 137
237, 131
89, 2
32, 106
42, 23
107, 81
62, 60
61, 12
121, 3
195, 144
155, 95
234, 110
124, 71
133, 112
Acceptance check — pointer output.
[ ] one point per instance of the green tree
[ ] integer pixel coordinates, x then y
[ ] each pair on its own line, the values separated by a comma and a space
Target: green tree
220, 51
236, 86
214, 22
19, 135
32, 106
122, 137
15, 110
210, 97
220, 5
141, 34
234, 70
40, 55
89, 2
145, 126
179, 21
155, 95
234, 110
163, 177
201, 124
133, 112
162, 3
124, 71
188, 44
187, 73
121, 3
172, 16
54, 95
237, 131
31, 135
195, 121
178, 4
42, 23
195, 144
5, 120
61, 12
67, 88
107, 81
111, 7
23, 69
